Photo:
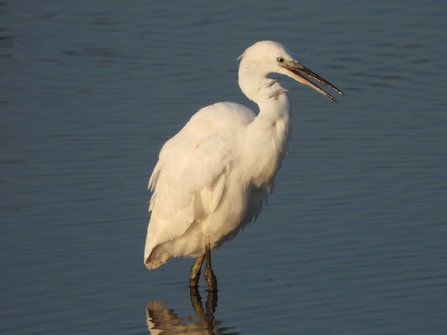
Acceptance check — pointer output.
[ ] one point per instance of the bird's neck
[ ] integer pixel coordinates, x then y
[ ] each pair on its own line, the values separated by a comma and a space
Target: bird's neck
266, 141
254, 82
269, 130
266, 92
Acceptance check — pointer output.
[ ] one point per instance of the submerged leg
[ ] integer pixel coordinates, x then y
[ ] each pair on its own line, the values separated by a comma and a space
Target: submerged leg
210, 277
194, 274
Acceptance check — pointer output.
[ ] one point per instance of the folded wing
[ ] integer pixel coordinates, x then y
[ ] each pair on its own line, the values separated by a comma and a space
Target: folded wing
188, 183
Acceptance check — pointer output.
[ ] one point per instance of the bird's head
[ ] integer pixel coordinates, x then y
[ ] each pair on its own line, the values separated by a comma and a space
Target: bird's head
267, 57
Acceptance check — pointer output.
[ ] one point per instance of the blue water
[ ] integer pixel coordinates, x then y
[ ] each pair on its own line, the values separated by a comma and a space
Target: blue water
354, 240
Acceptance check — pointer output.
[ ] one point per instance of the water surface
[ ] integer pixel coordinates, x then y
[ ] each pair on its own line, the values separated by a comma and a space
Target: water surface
354, 238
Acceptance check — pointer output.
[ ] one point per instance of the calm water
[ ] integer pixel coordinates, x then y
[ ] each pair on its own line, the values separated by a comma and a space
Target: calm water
354, 240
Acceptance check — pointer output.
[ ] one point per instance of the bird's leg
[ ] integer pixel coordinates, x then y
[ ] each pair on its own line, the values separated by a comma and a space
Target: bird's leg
210, 277
194, 274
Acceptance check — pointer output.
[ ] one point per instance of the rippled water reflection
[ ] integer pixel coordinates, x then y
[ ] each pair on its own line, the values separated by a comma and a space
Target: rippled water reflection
160, 319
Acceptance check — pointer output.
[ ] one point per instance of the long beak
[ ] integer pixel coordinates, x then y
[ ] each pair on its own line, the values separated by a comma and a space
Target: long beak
299, 73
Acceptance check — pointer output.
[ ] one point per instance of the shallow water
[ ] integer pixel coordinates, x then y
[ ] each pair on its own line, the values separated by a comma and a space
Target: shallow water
354, 238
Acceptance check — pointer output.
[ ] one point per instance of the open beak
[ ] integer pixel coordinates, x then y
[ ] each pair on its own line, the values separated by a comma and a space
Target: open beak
299, 73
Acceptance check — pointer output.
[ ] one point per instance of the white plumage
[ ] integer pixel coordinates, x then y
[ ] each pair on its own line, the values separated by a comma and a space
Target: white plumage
213, 177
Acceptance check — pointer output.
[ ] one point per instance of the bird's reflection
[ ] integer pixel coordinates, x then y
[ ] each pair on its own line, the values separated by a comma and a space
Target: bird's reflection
161, 320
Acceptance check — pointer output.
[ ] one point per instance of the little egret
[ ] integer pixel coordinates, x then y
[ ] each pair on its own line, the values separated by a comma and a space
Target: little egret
213, 177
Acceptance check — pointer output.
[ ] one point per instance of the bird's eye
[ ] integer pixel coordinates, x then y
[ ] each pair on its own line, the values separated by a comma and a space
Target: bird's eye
280, 59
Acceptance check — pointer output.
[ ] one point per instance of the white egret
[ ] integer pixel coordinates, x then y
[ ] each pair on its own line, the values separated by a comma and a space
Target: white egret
212, 177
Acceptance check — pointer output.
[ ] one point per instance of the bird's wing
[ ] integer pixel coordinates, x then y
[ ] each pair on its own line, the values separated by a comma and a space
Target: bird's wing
188, 182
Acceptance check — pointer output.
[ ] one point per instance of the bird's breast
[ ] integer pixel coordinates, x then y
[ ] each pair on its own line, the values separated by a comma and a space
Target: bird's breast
264, 149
